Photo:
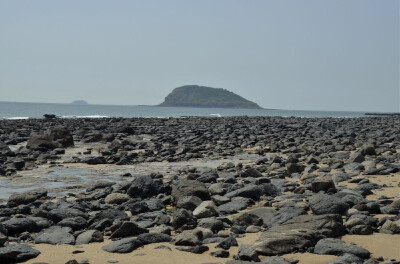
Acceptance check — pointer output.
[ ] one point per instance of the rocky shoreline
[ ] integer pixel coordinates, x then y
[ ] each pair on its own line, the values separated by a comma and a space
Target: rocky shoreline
204, 190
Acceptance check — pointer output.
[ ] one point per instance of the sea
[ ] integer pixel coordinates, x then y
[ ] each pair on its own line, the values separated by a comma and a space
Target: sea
18, 110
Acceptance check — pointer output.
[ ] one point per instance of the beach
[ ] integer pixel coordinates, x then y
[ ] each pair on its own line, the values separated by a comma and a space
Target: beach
200, 190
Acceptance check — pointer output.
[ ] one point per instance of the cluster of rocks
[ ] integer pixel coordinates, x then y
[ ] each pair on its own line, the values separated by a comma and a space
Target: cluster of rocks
294, 198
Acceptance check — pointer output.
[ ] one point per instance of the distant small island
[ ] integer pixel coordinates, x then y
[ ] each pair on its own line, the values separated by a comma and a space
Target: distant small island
79, 102
202, 96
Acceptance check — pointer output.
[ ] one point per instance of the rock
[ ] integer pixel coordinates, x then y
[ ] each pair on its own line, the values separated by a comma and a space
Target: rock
284, 214
142, 187
41, 141
249, 191
125, 245
57, 215
89, 237
333, 246
253, 229
265, 213
189, 188
18, 252
278, 260
3, 239
19, 225
198, 249
26, 197
356, 157
322, 184
4, 149
361, 230
246, 219
227, 243
206, 209
189, 238
117, 198
183, 217
76, 223
390, 227
251, 172
298, 233
127, 229
237, 204
368, 150
62, 136
188, 202
150, 238
220, 253
347, 259
294, 168
211, 223
327, 204
247, 252
55, 235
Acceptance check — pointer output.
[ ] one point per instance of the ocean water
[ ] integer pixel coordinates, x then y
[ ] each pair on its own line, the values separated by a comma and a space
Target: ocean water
15, 110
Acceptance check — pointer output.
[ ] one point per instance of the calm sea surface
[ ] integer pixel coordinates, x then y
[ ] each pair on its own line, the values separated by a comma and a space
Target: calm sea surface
12, 110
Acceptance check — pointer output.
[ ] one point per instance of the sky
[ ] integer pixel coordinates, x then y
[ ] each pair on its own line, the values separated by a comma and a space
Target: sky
304, 55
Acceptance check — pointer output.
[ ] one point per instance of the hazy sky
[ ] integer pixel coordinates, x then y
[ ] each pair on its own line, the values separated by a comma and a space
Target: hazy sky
312, 55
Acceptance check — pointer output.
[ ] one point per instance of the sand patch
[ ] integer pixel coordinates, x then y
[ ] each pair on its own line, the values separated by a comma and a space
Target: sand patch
385, 245
309, 258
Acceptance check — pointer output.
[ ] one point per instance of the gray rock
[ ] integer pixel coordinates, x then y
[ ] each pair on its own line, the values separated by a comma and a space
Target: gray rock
356, 157
211, 223
183, 217
150, 238
76, 223
265, 213
127, 229
125, 245
278, 260
206, 209
3, 239
26, 197
361, 230
220, 253
327, 204
89, 237
298, 233
249, 191
19, 225
246, 219
347, 259
117, 198
189, 238
322, 184
189, 188
237, 204
247, 252
227, 243
55, 235
188, 202
285, 214
19, 252
333, 246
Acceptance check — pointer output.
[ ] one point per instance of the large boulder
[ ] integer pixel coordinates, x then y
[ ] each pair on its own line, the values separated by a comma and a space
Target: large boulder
298, 234
56, 235
333, 246
327, 204
206, 209
125, 245
142, 187
26, 197
62, 136
249, 191
89, 237
41, 141
18, 252
127, 229
190, 188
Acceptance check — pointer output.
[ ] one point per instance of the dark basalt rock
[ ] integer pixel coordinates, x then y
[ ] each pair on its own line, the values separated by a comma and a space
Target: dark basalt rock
18, 252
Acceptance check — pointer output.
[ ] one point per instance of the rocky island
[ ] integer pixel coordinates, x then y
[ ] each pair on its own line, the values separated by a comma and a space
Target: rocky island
80, 102
202, 96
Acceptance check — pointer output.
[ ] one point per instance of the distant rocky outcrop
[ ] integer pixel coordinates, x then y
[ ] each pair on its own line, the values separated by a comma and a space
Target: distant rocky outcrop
80, 102
202, 96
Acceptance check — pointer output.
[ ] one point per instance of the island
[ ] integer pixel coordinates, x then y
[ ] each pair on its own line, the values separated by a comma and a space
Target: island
79, 102
202, 96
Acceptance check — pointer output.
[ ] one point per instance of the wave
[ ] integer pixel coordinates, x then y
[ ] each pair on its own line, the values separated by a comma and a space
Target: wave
16, 117
85, 116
